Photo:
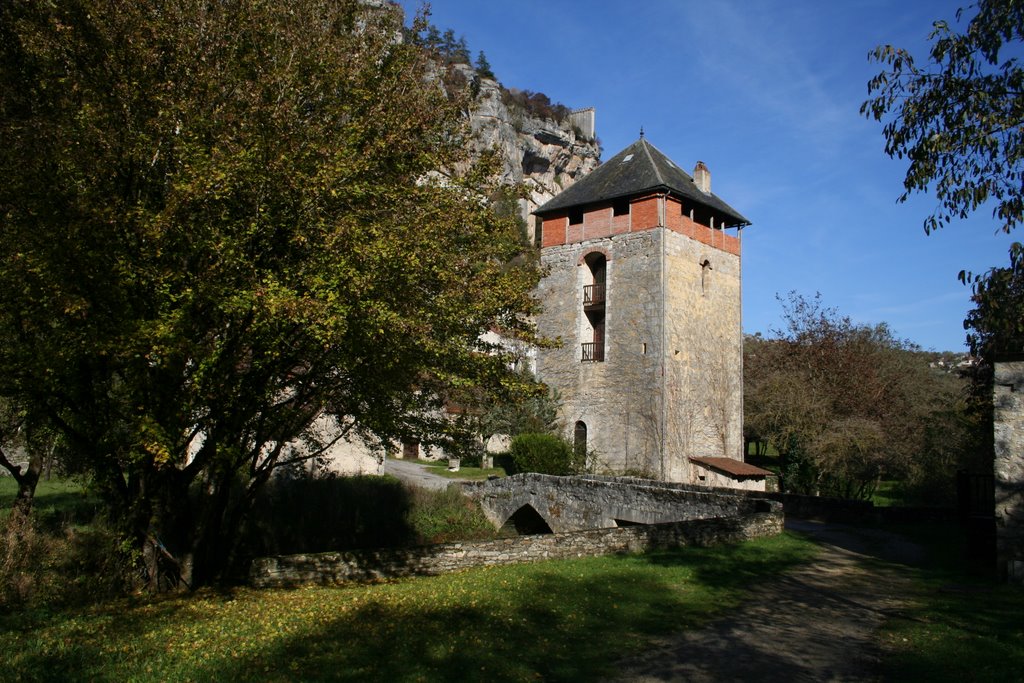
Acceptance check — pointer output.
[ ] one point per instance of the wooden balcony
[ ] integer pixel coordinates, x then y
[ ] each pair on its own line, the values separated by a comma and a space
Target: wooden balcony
593, 295
593, 352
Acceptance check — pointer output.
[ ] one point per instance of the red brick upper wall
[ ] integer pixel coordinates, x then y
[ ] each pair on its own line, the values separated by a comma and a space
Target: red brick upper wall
600, 221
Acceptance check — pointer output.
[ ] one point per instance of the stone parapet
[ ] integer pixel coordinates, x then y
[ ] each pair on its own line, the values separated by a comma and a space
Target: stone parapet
369, 565
594, 502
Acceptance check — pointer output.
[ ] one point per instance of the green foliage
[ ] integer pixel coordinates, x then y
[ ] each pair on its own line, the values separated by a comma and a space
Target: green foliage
958, 119
231, 233
446, 46
996, 323
483, 67
560, 620
45, 563
995, 326
546, 454
535, 104
847, 405
445, 516
535, 414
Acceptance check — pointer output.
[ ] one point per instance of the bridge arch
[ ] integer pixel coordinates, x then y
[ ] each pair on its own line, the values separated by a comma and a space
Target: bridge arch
526, 521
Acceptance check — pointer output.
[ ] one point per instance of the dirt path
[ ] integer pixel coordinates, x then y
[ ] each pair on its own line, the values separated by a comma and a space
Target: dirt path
415, 474
816, 623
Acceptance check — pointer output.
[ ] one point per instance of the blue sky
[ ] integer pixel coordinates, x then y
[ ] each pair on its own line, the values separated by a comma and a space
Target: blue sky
767, 94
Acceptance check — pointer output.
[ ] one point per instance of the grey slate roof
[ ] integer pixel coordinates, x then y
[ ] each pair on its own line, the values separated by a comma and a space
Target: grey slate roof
639, 168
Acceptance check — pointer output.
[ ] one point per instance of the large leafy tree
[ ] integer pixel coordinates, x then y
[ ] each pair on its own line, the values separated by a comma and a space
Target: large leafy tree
996, 323
995, 328
232, 232
844, 404
959, 118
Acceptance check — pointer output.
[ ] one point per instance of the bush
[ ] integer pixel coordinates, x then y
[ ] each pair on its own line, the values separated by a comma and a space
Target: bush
446, 516
545, 454
43, 566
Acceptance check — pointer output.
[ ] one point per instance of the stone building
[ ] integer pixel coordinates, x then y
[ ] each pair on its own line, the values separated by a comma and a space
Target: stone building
1008, 421
643, 290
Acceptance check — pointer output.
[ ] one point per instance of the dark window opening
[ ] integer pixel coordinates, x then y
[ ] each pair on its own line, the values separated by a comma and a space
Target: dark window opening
621, 207
524, 522
538, 231
594, 350
594, 294
702, 216
411, 449
594, 300
579, 439
575, 216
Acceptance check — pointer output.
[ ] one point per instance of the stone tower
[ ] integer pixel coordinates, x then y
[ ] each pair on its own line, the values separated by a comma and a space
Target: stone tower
643, 289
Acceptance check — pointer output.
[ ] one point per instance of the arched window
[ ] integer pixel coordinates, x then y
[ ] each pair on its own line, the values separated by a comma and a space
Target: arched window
594, 295
705, 276
579, 438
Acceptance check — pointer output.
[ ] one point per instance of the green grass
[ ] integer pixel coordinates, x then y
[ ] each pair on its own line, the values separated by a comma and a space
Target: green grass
556, 621
959, 626
471, 473
887, 494
446, 516
56, 500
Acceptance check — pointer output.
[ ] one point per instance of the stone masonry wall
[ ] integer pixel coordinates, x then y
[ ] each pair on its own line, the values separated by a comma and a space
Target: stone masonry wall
591, 502
1008, 404
670, 385
619, 399
335, 568
704, 358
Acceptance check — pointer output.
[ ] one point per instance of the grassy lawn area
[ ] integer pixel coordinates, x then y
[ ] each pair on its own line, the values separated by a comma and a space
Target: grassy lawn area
887, 494
55, 499
472, 473
959, 627
558, 620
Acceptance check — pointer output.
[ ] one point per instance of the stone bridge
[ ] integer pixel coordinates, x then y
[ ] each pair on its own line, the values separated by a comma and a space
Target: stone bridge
541, 503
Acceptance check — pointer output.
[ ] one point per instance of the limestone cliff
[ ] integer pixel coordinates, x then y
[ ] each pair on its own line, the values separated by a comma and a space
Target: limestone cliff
545, 155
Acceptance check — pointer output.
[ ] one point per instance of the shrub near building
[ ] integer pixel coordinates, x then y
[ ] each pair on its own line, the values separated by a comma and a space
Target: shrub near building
545, 454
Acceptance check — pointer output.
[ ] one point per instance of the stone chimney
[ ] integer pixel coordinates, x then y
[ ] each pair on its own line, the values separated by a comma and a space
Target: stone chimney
702, 177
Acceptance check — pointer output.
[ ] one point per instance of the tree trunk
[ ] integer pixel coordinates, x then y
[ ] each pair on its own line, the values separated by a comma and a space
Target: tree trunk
27, 480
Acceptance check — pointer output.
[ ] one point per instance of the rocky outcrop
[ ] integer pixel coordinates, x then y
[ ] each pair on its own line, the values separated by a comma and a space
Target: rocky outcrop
543, 154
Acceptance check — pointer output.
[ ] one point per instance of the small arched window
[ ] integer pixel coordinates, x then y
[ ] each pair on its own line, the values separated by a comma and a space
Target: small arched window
705, 276
579, 438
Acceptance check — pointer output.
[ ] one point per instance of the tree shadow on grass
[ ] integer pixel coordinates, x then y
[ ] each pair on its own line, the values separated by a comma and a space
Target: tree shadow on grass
738, 566
561, 621
561, 628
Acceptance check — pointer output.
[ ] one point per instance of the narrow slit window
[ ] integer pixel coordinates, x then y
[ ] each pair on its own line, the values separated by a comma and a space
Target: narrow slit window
579, 439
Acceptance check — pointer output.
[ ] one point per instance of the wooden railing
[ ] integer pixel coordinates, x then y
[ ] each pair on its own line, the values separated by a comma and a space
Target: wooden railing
593, 352
593, 295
